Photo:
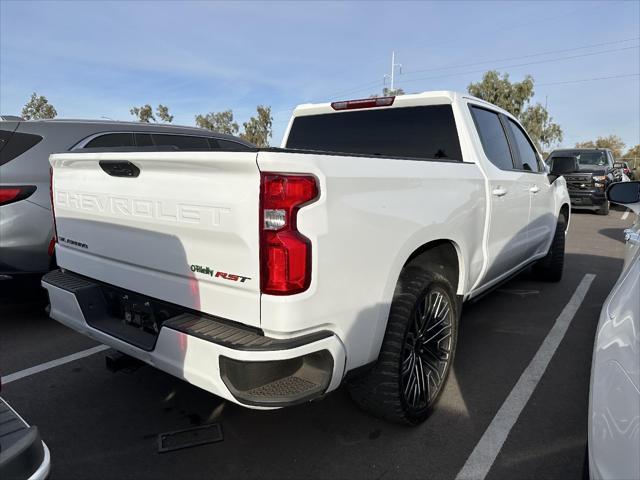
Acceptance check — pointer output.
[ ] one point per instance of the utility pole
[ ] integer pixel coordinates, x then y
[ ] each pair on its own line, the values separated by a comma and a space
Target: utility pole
393, 71
543, 138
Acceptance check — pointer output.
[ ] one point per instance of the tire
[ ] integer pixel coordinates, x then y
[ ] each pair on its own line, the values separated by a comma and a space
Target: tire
414, 363
585, 464
549, 268
604, 209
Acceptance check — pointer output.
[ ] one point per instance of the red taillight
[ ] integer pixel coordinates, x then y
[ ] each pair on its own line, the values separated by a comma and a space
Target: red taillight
8, 195
52, 246
363, 103
285, 254
14, 193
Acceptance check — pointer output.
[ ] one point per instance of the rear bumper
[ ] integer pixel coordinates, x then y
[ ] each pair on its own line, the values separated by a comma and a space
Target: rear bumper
227, 359
26, 231
22, 452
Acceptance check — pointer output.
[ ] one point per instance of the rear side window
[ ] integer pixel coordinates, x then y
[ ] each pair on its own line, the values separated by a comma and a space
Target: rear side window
14, 144
111, 140
181, 142
493, 138
426, 132
5, 135
528, 155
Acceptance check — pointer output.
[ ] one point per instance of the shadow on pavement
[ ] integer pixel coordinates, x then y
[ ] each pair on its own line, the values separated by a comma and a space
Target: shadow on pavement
613, 233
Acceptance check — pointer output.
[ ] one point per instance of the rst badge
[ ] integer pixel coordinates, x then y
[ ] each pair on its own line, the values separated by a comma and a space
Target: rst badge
232, 277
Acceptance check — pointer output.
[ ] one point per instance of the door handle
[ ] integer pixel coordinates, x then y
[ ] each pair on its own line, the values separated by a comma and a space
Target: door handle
534, 189
499, 191
632, 237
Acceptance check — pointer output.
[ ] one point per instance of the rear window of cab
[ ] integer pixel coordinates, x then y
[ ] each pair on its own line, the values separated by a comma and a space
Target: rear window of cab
421, 133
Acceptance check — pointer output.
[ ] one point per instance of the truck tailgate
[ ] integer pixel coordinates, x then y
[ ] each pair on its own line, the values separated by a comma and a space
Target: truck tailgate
177, 226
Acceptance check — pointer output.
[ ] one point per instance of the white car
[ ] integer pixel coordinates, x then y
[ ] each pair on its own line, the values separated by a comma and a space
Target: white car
269, 277
614, 403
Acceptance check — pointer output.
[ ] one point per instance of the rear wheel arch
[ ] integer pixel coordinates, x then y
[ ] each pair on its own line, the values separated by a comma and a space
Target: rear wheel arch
442, 256
439, 256
414, 361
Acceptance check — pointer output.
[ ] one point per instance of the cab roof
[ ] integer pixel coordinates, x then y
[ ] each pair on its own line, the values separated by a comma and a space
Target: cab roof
410, 100
436, 97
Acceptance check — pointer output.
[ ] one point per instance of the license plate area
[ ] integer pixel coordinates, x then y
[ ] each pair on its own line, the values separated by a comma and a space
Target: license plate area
137, 311
133, 318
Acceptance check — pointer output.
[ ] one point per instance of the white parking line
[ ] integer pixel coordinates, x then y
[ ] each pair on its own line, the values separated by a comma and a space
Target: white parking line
484, 454
27, 372
625, 215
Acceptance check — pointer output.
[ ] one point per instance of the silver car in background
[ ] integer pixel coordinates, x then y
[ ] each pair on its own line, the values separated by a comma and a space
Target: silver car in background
614, 401
26, 226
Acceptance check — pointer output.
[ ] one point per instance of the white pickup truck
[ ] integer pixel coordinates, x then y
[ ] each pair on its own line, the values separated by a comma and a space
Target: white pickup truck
269, 277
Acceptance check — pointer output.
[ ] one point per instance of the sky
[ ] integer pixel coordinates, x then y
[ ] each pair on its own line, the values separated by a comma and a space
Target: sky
95, 59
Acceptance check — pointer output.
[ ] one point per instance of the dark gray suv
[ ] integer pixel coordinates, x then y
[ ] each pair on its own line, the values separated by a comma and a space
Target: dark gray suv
26, 226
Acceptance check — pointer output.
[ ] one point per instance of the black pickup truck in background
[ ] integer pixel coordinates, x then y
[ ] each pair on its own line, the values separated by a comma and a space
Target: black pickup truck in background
596, 171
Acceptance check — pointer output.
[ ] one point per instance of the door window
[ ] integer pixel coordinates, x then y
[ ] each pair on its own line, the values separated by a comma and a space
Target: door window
528, 155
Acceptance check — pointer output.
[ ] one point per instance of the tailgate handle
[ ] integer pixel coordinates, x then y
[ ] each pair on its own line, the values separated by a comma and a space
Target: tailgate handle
119, 168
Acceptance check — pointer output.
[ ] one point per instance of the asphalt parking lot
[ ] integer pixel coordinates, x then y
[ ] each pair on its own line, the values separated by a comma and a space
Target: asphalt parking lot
100, 424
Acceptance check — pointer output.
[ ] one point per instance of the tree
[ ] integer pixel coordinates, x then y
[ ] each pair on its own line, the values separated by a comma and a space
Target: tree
144, 113
633, 157
614, 142
258, 129
633, 152
163, 114
38, 107
515, 98
540, 127
221, 122
501, 92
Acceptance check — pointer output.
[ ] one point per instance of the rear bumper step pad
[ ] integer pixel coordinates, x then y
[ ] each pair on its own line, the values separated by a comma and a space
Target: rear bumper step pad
237, 338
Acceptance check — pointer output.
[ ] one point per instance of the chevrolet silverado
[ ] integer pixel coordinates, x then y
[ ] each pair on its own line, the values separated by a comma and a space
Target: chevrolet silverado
270, 277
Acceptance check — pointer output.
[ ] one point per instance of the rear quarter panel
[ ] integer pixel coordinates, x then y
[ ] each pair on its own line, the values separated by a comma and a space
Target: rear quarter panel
371, 215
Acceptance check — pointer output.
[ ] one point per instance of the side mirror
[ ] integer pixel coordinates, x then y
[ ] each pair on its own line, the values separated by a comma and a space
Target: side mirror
561, 166
618, 165
625, 193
